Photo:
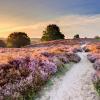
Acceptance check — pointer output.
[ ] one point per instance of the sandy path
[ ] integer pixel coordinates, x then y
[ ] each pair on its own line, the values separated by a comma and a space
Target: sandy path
75, 85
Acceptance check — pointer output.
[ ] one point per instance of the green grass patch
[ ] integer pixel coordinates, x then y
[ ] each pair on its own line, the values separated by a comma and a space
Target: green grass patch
97, 87
63, 70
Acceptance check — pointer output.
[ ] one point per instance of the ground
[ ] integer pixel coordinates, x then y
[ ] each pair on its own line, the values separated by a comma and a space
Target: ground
75, 85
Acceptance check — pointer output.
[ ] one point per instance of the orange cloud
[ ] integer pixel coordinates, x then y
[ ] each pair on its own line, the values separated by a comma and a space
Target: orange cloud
69, 25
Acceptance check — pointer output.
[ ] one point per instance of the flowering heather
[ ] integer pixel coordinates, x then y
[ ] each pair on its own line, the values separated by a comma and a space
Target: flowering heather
25, 69
93, 47
94, 57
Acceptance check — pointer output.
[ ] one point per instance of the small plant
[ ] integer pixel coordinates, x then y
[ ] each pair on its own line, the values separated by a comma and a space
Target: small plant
97, 86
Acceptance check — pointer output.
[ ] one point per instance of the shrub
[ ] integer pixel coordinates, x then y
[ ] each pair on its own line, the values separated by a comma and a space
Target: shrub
97, 37
2, 43
76, 36
18, 39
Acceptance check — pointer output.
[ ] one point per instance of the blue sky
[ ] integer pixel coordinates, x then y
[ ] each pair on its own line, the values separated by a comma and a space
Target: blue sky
43, 9
16, 14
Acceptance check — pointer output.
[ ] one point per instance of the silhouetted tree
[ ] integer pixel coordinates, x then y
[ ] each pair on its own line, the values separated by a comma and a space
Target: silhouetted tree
2, 43
76, 36
52, 32
97, 37
18, 39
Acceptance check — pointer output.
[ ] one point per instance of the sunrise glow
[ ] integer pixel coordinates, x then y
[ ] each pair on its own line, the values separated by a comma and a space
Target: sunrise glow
33, 16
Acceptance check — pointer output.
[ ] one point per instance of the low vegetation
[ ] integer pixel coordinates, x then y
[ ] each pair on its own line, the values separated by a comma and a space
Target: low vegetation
76, 36
94, 57
2, 43
23, 71
97, 37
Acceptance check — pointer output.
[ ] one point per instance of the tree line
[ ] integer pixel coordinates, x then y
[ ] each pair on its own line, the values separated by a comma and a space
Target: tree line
20, 39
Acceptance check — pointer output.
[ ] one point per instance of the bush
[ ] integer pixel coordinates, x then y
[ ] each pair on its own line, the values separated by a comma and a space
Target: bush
52, 33
2, 43
18, 39
76, 36
97, 37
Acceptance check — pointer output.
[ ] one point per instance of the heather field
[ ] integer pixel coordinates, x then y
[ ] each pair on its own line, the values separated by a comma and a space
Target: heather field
25, 71
49, 49
94, 57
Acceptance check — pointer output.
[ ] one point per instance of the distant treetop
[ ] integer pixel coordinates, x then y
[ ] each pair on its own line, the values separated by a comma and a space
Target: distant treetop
52, 32
76, 36
2, 43
97, 37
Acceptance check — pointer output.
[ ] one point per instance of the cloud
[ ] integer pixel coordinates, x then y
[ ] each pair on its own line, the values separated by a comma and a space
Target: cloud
86, 26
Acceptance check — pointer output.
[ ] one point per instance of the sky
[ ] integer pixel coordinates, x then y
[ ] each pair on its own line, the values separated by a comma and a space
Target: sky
32, 16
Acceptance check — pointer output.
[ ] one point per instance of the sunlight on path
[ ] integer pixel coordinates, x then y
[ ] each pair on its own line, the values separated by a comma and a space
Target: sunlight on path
75, 85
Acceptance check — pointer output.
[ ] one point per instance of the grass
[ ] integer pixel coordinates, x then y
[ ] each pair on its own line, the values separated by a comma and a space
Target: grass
63, 70
97, 87
98, 39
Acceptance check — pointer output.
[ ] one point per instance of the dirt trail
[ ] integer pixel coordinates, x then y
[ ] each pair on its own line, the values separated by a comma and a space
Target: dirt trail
75, 85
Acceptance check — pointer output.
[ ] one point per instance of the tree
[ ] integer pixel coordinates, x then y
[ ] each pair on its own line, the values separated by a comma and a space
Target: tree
52, 32
76, 36
97, 37
2, 43
18, 39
